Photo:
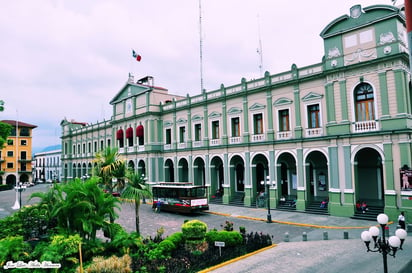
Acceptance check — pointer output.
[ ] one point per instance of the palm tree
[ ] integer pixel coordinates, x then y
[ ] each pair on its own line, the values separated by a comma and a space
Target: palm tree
109, 165
136, 189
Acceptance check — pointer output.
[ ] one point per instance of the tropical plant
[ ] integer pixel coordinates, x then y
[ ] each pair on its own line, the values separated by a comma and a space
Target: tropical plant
136, 189
109, 165
80, 207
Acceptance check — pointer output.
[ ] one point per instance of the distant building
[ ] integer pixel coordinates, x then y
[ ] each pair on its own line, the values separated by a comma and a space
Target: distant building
16, 156
47, 164
339, 130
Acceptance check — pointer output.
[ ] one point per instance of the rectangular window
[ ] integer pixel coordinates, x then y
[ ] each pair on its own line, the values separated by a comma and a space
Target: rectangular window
168, 136
314, 116
215, 129
182, 133
258, 124
23, 155
24, 132
10, 165
10, 142
101, 145
284, 120
23, 142
235, 127
10, 153
95, 146
89, 147
198, 132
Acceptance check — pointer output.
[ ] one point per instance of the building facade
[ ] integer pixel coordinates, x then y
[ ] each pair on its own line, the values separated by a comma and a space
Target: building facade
340, 129
16, 155
47, 164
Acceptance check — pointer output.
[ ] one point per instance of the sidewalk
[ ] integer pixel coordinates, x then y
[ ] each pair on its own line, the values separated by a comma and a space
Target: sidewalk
335, 254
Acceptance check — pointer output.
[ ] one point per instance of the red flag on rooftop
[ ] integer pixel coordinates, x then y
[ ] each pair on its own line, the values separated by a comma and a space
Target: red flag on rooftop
136, 56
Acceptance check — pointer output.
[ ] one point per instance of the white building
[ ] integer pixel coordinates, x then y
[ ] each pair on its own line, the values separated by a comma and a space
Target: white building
47, 164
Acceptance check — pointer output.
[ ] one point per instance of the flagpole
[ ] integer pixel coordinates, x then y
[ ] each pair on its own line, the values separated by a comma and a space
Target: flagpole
201, 46
16, 188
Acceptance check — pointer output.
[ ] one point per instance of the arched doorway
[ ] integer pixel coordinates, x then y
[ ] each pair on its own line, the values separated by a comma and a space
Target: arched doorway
11, 180
286, 176
169, 171
130, 165
369, 177
183, 170
216, 175
141, 167
317, 184
199, 171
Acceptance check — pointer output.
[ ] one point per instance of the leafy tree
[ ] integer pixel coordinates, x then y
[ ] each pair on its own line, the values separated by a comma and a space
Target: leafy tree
136, 189
5, 130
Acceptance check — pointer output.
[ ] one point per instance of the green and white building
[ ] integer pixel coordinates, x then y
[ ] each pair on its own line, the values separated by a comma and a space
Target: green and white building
339, 129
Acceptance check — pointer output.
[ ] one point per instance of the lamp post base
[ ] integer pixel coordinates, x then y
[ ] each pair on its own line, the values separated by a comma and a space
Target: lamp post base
269, 219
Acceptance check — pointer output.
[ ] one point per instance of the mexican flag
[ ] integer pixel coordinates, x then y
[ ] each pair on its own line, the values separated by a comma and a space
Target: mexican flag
136, 56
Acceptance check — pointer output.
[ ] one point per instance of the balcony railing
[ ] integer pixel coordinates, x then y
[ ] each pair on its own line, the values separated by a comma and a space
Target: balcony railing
235, 140
181, 145
314, 132
214, 142
284, 135
167, 146
365, 126
258, 138
198, 143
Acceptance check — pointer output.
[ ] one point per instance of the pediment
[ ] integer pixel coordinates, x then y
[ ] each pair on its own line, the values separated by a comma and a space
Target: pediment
167, 123
197, 118
181, 121
234, 111
312, 96
282, 101
257, 106
215, 114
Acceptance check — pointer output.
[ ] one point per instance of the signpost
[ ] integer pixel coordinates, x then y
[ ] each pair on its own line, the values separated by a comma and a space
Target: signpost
220, 245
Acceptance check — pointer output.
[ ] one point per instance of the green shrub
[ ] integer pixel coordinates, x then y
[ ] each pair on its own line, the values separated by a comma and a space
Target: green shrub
14, 249
6, 187
167, 246
194, 230
176, 238
11, 225
231, 238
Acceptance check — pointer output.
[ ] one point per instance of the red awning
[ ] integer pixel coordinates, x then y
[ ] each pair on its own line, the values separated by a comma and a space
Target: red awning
129, 132
119, 134
139, 131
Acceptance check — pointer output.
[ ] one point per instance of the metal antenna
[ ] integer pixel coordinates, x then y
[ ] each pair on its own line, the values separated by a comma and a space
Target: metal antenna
201, 46
259, 50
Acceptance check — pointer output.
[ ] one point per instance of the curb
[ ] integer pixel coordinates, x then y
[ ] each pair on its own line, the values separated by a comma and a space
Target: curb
285, 222
236, 259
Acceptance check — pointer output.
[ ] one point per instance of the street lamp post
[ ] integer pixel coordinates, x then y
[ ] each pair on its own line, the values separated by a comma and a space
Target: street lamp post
267, 184
386, 247
19, 188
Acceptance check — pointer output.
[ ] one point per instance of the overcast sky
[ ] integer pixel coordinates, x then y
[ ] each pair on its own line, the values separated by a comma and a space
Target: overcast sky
70, 58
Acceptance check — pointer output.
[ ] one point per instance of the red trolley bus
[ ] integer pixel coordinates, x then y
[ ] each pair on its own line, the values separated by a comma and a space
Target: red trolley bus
181, 197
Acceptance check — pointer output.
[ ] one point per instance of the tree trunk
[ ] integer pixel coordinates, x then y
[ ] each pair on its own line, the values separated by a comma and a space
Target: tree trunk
136, 208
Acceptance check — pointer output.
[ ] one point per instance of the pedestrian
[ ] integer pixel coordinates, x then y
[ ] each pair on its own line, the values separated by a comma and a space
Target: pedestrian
158, 206
364, 207
401, 220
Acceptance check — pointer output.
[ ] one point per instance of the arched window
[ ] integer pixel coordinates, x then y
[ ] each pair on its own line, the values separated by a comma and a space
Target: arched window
364, 102
140, 134
129, 136
119, 137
